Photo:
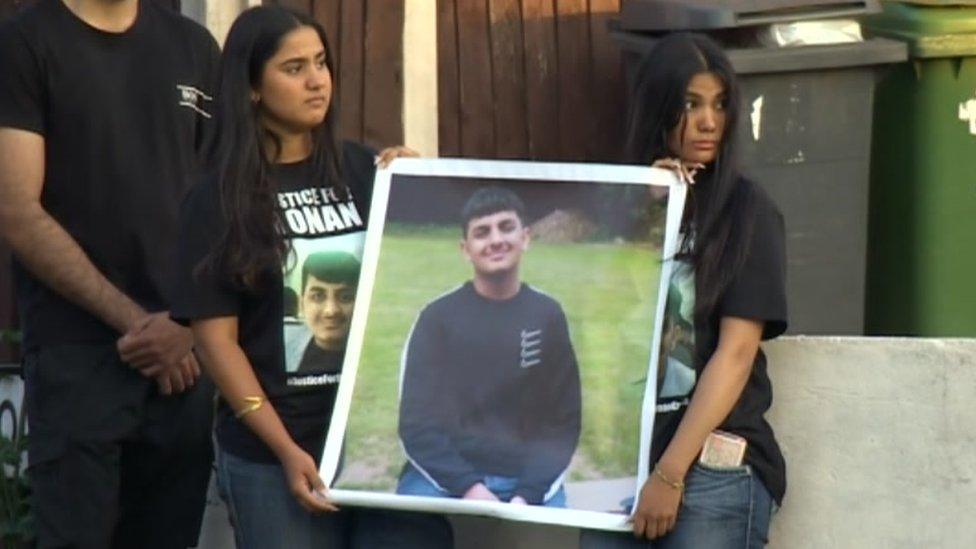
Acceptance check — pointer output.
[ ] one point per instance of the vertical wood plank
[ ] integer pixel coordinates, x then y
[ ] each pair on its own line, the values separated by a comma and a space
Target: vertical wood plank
474, 70
448, 99
326, 12
541, 78
383, 82
351, 70
572, 36
607, 92
301, 6
508, 79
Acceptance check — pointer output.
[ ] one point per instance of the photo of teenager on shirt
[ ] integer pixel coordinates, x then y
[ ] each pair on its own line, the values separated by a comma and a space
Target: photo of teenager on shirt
490, 403
326, 296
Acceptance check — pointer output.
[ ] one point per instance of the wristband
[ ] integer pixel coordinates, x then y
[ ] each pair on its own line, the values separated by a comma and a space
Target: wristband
252, 404
675, 484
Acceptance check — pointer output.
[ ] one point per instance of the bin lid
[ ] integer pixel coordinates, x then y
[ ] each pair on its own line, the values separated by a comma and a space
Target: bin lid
673, 15
938, 2
872, 52
930, 31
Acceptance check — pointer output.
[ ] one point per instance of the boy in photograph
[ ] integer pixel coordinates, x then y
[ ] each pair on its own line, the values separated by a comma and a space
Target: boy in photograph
490, 398
328, 293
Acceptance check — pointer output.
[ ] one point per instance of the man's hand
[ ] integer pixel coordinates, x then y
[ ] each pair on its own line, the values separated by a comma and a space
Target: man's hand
518, 500
480, 492
657, 511
155, 343
177, 379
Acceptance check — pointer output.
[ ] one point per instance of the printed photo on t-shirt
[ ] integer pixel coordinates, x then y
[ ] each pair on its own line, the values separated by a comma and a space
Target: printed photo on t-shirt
676, 368
319, 294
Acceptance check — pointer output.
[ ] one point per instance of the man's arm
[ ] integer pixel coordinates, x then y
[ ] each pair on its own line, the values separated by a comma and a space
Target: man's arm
55, 258
42, 245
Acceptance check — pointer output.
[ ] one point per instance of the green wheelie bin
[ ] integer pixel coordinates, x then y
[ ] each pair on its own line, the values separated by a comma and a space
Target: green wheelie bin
921, 278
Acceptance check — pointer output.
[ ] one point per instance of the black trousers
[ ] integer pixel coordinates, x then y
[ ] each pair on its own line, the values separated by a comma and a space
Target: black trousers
112, 462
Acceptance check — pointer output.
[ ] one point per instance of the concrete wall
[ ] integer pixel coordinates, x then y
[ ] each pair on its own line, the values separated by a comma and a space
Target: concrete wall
879, 435
880, 438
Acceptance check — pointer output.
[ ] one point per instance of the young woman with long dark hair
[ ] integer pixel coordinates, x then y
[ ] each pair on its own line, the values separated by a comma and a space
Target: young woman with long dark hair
281, 217
730, 275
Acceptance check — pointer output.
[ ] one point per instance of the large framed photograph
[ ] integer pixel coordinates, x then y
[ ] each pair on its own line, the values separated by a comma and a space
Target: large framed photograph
508, 318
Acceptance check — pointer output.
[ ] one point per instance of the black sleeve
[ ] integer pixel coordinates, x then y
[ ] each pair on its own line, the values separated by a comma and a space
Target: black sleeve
359, 171
22, 92
201, 291
556, 403
426, 417
759, 290
207, 125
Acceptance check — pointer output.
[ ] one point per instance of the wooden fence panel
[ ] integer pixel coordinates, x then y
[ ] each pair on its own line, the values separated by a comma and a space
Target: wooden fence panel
541, 78
477, 122
383, 78
534, 79
448, 93
607, 116
507, 49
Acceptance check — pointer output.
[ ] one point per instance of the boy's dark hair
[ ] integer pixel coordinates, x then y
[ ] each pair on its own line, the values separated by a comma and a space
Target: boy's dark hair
332, 267
490, 200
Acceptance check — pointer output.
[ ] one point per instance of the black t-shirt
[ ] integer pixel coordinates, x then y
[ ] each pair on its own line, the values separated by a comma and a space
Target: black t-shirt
491, 387
123, 116
292, 329
758, 292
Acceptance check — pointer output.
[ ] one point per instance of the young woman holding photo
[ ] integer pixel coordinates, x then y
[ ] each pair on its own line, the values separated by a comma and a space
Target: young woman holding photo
281, 189
730, 271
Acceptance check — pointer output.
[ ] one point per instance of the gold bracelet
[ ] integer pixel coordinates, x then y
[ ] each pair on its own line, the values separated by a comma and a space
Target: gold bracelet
253, 403
675, 484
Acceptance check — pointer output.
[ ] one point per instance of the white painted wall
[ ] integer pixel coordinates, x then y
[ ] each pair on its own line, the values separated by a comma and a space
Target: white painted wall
420, 76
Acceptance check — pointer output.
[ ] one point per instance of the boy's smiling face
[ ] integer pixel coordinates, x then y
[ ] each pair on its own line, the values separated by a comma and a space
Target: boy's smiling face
495, 243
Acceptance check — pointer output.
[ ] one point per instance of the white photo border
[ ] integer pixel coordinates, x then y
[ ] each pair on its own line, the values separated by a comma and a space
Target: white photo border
496, 169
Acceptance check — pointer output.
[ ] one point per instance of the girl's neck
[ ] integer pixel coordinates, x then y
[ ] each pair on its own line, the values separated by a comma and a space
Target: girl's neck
288, 148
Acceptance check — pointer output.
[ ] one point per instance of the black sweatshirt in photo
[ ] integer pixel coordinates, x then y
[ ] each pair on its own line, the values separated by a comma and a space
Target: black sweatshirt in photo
491, 387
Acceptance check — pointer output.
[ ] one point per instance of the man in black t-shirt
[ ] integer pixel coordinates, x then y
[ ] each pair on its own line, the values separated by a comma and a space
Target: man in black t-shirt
490, 400
104, 110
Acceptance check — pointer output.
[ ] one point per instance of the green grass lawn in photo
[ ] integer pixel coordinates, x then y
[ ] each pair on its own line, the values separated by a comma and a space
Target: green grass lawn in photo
608, 291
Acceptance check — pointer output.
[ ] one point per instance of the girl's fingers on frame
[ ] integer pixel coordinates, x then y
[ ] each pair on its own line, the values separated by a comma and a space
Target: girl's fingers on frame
638, 526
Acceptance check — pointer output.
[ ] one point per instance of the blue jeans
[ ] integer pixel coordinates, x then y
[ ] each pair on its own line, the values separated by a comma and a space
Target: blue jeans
721, 509
266, 516
414, 483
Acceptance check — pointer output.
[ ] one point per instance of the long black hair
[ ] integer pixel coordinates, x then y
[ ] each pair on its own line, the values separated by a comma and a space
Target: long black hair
719, 214
253, 244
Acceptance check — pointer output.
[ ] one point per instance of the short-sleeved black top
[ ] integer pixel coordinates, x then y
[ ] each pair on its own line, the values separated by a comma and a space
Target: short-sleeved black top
758, 292
124, 117
292, 328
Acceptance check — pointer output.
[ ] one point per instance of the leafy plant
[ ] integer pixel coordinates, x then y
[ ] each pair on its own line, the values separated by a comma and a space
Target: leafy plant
16, 520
